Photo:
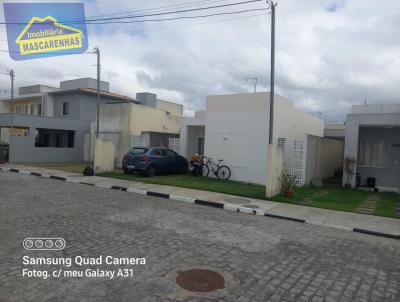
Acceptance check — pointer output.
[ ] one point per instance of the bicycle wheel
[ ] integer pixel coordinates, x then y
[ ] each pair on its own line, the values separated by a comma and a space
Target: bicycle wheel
204, 170
223, 173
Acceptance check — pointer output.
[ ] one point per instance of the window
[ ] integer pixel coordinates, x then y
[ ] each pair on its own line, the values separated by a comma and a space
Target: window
138, 151
65, 108
18, 109
26, 109
59, 140
54, 138
157, 152
39, 109
373, 153
170, 153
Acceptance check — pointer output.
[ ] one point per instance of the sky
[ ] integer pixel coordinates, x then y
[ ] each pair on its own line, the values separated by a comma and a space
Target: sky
330, 54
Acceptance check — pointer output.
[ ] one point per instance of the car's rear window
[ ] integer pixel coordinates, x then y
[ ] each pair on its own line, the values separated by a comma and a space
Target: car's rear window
138, 150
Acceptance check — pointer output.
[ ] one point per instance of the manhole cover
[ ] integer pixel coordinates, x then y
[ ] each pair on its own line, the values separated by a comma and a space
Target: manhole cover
200, 280
236, 200
251, 206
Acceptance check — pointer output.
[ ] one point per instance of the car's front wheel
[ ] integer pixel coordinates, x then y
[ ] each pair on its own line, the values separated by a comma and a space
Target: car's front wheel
127, 171
151, 171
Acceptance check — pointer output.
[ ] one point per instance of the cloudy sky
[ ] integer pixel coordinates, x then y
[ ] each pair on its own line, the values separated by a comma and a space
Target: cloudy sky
330, 53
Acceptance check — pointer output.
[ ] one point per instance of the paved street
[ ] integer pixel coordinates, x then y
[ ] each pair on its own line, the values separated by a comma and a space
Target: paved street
261, 259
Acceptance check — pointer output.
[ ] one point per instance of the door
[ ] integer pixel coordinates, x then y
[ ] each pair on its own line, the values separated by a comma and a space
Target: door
200, 145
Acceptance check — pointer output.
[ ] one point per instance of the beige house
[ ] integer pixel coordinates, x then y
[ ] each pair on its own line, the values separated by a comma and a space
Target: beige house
147, 122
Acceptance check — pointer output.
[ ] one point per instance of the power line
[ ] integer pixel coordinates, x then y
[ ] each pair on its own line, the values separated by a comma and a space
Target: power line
169, 27
162, 8
95, 21
176, 12
183, 17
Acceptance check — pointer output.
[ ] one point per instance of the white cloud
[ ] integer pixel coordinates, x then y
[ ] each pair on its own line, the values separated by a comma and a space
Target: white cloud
327, 59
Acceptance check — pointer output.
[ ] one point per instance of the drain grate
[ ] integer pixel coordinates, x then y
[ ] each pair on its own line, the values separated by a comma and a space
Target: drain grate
200, 280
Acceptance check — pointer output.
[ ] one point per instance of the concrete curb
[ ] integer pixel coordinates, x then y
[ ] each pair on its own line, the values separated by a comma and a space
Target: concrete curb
217, 205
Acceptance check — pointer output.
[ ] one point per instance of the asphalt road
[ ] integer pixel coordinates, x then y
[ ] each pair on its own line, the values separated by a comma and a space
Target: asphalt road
260, 258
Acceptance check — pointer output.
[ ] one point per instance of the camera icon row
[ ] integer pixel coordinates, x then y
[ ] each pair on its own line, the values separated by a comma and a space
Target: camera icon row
43, 244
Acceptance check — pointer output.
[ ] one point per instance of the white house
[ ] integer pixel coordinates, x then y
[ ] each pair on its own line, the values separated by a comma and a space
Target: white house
373, 141
235, 128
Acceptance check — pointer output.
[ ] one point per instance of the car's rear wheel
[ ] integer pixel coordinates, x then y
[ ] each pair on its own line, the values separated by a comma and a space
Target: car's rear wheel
151, 171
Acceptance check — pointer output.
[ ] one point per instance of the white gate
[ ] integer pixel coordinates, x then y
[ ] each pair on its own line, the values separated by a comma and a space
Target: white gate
294, 158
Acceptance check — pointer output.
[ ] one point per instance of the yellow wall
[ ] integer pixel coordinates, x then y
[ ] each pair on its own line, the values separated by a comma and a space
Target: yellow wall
173, 108
145, 119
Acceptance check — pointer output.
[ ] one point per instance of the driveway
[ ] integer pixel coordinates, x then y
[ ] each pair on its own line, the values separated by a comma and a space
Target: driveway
260, 258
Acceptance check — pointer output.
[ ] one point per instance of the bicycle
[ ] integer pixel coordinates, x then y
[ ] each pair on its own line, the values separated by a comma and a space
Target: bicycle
220, 171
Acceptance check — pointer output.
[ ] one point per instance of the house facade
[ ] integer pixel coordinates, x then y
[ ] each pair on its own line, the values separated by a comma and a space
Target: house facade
48, 124
235, 128
147, 122
373, 141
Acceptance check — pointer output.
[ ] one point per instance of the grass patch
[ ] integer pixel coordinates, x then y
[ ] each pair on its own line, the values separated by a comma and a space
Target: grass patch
327, 197
386, 206
334, 198
75, 167
198, 183
330, 196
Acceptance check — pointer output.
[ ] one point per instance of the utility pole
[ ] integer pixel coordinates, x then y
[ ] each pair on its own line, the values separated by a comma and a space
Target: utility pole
97, 52
12, 76
272, 91
255, 79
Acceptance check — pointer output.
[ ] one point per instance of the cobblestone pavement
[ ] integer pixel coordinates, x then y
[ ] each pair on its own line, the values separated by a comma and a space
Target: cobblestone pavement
262, 259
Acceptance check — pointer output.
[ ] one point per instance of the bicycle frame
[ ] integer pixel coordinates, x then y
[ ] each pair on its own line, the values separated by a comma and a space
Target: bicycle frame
213, 166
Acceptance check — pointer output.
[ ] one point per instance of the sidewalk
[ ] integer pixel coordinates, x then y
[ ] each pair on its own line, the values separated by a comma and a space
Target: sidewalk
387, 227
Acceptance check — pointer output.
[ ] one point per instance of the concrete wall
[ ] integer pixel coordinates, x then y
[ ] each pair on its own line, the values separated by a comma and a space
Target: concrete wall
336, 131
273, 170
149, 119
188, 137
82, 106
375, 108
22, 149
353, 124
237, 131
84, 83
172, 108
115, 122
292, 123
125, 123
4, 106
324, 157
104, 156
36, 89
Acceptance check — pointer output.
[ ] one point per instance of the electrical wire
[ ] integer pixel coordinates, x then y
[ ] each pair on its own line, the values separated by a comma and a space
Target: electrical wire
161, 8
182, 17
95, 21
169, 27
